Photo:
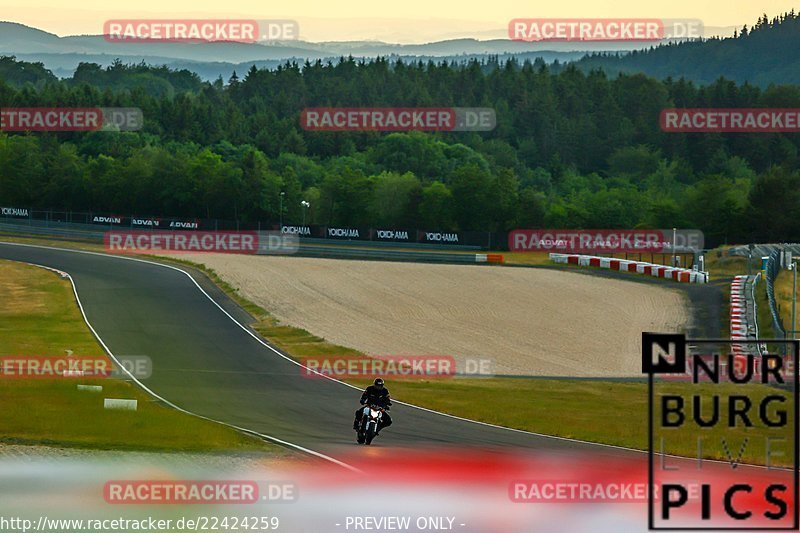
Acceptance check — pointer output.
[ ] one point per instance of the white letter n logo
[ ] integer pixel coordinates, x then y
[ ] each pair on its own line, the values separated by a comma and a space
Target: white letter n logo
663, 353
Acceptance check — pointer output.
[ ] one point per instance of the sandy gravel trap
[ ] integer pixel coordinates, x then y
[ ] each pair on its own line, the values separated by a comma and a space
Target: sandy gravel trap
527, 321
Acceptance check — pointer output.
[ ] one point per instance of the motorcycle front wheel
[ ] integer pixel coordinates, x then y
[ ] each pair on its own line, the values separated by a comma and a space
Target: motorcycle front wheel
372, 428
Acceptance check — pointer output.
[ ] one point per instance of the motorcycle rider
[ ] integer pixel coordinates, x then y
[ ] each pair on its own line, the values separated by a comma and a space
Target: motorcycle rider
376, 394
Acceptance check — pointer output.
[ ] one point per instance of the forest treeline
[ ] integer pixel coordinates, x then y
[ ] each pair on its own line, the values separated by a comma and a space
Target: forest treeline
570, 149
754, 53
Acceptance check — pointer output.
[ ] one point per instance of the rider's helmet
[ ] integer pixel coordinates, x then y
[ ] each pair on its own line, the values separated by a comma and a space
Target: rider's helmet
378, 383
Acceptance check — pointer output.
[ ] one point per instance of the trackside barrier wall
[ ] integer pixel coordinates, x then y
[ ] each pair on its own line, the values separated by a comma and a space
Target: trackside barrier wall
681, 275
311, 234
305, 251
771, 273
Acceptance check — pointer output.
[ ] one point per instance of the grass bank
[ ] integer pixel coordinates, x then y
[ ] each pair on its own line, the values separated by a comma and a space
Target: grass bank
39, 317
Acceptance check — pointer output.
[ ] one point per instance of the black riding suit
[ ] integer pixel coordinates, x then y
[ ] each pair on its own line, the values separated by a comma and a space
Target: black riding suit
375, 396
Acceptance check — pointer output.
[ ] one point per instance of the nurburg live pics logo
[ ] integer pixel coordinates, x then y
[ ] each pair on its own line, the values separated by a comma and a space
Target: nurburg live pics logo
714, 408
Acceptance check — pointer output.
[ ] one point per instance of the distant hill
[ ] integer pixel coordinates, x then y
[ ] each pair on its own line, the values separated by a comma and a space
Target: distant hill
62, 55
766, 53
64, 65
760, 55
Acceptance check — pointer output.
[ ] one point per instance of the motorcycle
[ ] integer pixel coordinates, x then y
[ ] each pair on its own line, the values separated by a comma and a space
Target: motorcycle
371, 416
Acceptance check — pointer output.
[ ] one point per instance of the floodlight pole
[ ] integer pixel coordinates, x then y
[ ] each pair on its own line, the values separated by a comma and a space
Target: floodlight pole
674, 232
794, 297
280, 216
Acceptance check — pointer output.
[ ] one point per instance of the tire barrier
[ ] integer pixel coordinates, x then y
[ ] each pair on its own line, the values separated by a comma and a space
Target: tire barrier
681, 275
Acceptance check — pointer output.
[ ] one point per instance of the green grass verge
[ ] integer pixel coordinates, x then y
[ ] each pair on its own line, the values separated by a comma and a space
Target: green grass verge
596, 411
720, 264
39, 317
783, 296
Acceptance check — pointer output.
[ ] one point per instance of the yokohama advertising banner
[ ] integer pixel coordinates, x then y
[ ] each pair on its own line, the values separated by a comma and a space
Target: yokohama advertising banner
16, 212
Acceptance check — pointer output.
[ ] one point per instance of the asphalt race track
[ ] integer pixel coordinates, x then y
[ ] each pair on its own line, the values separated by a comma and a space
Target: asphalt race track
206, 363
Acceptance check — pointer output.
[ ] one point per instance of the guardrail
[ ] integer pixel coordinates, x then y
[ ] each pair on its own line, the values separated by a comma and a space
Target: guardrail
753, 281
63, 232
388, 244
395, 255
772, 270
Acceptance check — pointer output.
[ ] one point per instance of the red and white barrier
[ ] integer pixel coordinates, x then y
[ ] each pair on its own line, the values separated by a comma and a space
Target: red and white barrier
681, 275
490, 258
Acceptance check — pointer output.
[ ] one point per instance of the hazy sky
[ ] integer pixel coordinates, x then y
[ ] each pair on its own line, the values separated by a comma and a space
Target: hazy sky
396, 21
